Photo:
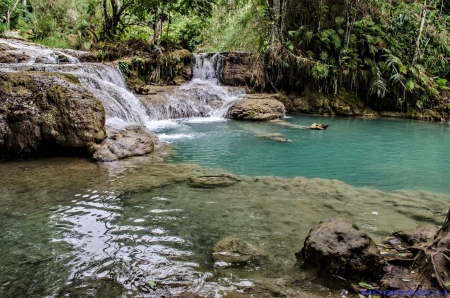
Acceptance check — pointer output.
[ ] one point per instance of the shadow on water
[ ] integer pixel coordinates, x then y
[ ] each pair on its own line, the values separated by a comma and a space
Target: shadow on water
137, 228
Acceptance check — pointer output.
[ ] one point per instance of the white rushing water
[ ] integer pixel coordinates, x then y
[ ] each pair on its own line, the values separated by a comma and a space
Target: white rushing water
202, 97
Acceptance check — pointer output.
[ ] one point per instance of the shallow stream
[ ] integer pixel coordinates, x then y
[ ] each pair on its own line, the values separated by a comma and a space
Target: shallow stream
138, 227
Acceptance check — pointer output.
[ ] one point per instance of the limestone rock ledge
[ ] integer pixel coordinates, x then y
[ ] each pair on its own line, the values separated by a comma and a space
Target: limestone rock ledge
127, 142
262, 106
43, 114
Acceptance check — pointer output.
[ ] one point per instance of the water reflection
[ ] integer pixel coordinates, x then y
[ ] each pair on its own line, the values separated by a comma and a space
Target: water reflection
108, 246
138, 229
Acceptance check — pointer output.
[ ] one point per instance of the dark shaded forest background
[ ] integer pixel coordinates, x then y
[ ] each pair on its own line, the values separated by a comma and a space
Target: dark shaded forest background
386, 51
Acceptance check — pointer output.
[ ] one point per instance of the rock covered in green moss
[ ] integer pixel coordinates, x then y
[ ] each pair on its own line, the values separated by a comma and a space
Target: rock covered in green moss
47, 112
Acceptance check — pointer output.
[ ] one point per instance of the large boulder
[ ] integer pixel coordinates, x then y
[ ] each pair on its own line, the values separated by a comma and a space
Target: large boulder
127, 142
46, 114
257, 107
336, 246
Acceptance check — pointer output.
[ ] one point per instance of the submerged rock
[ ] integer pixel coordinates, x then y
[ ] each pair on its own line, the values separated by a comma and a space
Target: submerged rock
131, 141
336, 246
276, 137
257, 107
235, 251
213, 181
316, 126
47, 114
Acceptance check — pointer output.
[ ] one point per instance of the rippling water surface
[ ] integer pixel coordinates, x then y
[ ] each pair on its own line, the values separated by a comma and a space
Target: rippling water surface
138, 227
385, 154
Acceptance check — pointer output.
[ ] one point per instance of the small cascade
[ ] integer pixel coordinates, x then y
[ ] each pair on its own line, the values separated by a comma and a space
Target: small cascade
104, 80
203, 96
39, 54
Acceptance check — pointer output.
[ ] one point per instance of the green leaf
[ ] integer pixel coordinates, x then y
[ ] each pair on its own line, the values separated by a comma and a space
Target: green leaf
410, 85
366, 285
447, 284
340, 277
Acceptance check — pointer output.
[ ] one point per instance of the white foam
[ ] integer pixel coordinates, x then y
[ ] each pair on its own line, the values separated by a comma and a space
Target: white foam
176, 136
205, 120
162, 124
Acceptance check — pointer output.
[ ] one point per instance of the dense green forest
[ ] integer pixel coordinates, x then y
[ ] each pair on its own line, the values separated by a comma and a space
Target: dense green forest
385, 50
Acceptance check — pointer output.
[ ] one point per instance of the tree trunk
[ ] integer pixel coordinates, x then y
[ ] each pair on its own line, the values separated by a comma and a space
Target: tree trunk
111, 21
9, 13
422, 24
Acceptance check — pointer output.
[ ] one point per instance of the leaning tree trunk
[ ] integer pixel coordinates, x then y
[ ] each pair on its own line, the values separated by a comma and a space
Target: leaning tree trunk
422, 24
433, 261
9, 13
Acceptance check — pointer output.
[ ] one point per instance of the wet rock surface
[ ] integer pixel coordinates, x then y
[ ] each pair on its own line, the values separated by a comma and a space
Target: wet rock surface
7, 56
336, 246
316, 126
234, 251
214, 181
260, 107
47, 113
130, 141
82, 56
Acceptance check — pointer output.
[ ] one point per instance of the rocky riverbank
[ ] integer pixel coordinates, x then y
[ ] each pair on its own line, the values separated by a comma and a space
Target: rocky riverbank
45, 113
45, 110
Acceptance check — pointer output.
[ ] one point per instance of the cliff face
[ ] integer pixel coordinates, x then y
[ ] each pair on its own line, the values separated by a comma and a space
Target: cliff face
44, 114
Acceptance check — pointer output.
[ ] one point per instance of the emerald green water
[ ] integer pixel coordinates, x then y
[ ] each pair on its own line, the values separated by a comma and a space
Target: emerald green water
379, 153
73, 228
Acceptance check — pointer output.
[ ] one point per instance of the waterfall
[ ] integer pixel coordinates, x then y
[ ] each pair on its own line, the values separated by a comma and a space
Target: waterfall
203, 96
104, 80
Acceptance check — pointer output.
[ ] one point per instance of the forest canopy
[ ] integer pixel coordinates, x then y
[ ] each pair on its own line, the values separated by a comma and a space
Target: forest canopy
386, 50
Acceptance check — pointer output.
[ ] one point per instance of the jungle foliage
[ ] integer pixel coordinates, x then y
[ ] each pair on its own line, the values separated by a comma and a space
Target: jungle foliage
387, 51
393, 52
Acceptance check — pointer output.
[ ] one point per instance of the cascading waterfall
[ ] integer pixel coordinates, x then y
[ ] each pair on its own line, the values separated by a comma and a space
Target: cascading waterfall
203, 96
104, 80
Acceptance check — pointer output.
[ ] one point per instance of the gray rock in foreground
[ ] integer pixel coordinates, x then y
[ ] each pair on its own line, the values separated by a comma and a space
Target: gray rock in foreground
336, 246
